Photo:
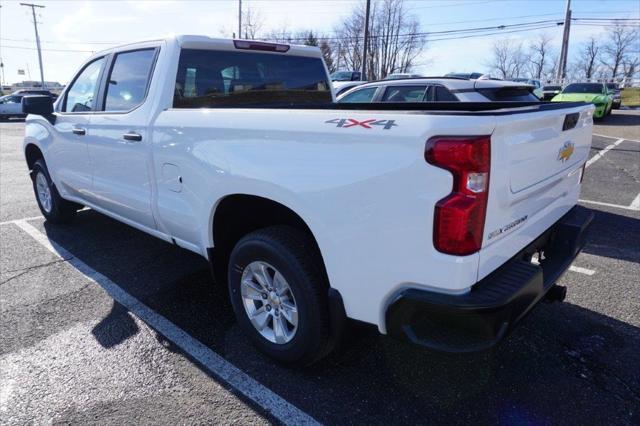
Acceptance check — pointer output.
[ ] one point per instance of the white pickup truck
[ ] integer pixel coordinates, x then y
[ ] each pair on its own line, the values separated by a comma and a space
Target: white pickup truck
440, 223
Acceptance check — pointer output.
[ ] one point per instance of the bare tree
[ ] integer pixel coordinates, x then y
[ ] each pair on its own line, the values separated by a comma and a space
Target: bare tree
252, 23
310, 39
622, 40
552, 67
327, 55
395, 39
588, 59
539, 55
508, 59
630, 68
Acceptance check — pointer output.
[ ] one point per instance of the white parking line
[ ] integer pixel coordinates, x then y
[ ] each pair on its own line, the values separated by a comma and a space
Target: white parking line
277, 406
635, 206
580, 270
9, 222
600, 154
615, 137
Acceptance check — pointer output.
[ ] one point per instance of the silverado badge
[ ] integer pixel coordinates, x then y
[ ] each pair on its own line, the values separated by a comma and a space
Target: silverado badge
565, 151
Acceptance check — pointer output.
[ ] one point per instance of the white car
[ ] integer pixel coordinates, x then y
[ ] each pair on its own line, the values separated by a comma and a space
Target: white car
423, 219
11, 106
340, 87
439, 89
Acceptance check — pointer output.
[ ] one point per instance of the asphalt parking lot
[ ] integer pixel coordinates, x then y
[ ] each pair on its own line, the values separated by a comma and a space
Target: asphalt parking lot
102, 323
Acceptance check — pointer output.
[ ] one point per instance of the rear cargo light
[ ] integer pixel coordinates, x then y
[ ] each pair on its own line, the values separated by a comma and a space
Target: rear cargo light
459, 217
258, 45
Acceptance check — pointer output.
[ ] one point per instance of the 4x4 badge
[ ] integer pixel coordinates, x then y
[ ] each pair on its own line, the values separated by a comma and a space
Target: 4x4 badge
345, 123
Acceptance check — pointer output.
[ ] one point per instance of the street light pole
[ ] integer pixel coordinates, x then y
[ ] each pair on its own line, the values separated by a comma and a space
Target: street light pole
35, 26
561, 72
366, 41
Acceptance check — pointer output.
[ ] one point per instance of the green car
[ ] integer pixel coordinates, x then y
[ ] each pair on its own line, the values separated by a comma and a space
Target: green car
596, 93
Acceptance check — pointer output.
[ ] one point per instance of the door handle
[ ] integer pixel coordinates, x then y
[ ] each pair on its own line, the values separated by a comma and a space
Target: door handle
79, 131
132, 136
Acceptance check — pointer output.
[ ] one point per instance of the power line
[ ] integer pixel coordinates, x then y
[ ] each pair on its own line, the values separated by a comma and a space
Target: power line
46, 49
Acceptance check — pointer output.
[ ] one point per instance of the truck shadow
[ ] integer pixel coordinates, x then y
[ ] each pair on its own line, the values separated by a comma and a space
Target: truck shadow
614, 236
561, 352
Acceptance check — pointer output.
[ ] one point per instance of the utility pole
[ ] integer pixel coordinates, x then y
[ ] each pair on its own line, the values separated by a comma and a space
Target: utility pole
239, 18
561, 72
35, 26
366, 41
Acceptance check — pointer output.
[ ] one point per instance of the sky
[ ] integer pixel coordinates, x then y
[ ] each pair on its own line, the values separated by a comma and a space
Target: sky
71, 30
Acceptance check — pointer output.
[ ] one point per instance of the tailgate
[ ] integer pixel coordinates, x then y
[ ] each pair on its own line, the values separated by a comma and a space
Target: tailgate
536, 163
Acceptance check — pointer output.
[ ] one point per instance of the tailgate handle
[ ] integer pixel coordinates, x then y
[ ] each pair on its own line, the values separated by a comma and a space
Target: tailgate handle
570, 121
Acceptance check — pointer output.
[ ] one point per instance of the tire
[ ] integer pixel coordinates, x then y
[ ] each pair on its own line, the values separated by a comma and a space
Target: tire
286, 251
54, 208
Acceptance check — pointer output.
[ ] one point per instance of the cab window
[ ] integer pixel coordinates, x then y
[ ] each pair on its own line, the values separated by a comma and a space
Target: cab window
128, 80
81, 95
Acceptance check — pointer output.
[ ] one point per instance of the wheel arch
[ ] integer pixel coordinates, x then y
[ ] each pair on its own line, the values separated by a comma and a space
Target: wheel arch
32, 153
235, 215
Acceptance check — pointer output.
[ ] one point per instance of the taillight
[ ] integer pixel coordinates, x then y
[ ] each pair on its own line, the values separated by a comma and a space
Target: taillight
459, 217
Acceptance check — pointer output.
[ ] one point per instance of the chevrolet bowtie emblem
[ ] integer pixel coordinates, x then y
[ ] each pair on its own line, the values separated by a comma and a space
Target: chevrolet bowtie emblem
565, 151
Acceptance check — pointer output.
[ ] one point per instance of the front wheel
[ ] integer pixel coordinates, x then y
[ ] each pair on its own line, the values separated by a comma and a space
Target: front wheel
54, 208
279, 295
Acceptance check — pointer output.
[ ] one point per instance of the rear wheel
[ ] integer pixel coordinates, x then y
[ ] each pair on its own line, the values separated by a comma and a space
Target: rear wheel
279, 296
53, 207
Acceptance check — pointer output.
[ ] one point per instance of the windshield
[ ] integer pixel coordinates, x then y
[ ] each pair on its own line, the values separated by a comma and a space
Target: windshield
583, 88
552, 88
341, 76
612, 86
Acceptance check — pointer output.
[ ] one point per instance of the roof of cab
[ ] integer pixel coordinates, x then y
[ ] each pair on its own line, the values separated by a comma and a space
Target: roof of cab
212, 43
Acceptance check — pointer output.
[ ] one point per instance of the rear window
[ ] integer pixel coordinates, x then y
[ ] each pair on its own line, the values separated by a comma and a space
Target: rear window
509, 94
583, 88
552, 88
208, 78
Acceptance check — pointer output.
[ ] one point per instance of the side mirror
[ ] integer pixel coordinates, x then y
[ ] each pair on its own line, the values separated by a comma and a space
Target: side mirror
37, 104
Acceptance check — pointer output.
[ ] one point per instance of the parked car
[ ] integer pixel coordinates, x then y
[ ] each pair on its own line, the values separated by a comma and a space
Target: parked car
346, 76
339, 87
596, 93
614, 89
11, 106
398, 76
421, 219
533, 82
548, 92
439, 89
470, 75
